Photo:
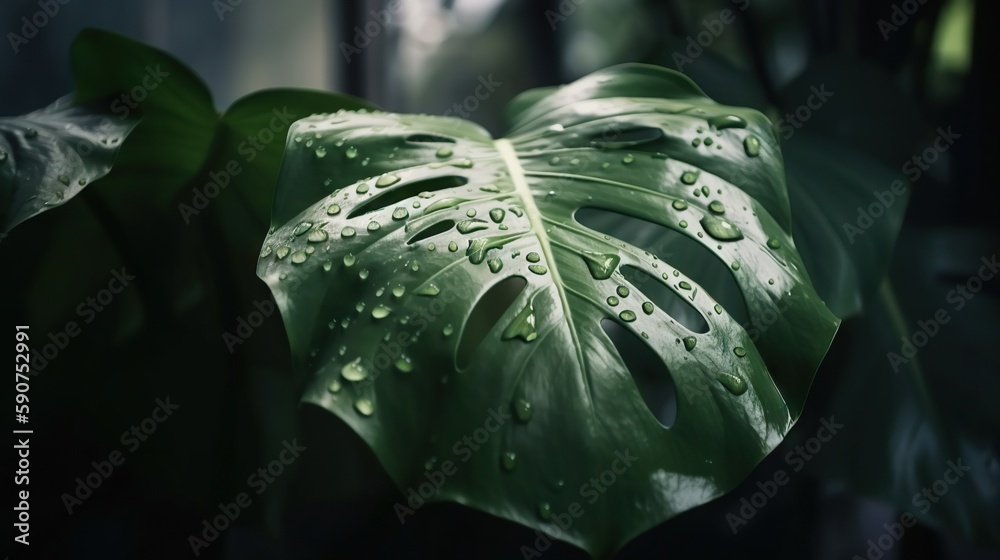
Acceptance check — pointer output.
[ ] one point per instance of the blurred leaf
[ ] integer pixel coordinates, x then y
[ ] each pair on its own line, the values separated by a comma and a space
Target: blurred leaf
174, 138
49, 155
906, 420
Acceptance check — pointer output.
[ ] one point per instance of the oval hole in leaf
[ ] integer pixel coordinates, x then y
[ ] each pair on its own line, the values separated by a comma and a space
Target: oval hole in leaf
430, 138
678, 251
406, 191
666, 299
431, 231
616, 139
650, 374
485, 315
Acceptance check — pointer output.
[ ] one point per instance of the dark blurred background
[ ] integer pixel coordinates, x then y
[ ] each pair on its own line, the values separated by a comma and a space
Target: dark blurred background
897, 83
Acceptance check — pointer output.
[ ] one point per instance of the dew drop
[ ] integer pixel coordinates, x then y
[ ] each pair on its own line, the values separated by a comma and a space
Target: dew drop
522, 409
684, 285
299, 257
317, 236
628, 316
427, 290
612, 301
349, 259
720, 229
751, 145
601, 265
690, 342
373, 226
452, 246
447, 330
718, 309
444, 152
333, 210
364, 406
717, 207
734, 384
680, 205
400, 213
350, 153
508, 460
622, 291
497, 215
689, 177
363, 274
334, 386
354, 371
739, 351
347, 232
544, 511
629, 158
533, 257
774, 243
387, 180
647, 308
495, 265
321, 152
282, 252
404, 364
469, 226
722, 122
302, 228
537, 269
362, 188
523, 325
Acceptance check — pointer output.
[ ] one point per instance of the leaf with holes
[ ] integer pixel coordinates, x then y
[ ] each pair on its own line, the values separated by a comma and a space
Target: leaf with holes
442, 297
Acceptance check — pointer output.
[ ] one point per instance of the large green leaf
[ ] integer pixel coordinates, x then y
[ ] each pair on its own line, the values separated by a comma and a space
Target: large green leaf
391, 233
47, 156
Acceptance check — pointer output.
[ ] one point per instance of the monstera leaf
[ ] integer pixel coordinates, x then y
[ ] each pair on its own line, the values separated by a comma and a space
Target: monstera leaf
48, 156
443, 298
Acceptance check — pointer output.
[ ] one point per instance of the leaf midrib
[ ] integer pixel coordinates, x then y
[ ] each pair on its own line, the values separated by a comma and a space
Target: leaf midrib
523, 191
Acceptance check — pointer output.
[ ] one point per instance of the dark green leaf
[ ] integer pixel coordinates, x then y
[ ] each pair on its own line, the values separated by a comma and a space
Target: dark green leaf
396, 236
